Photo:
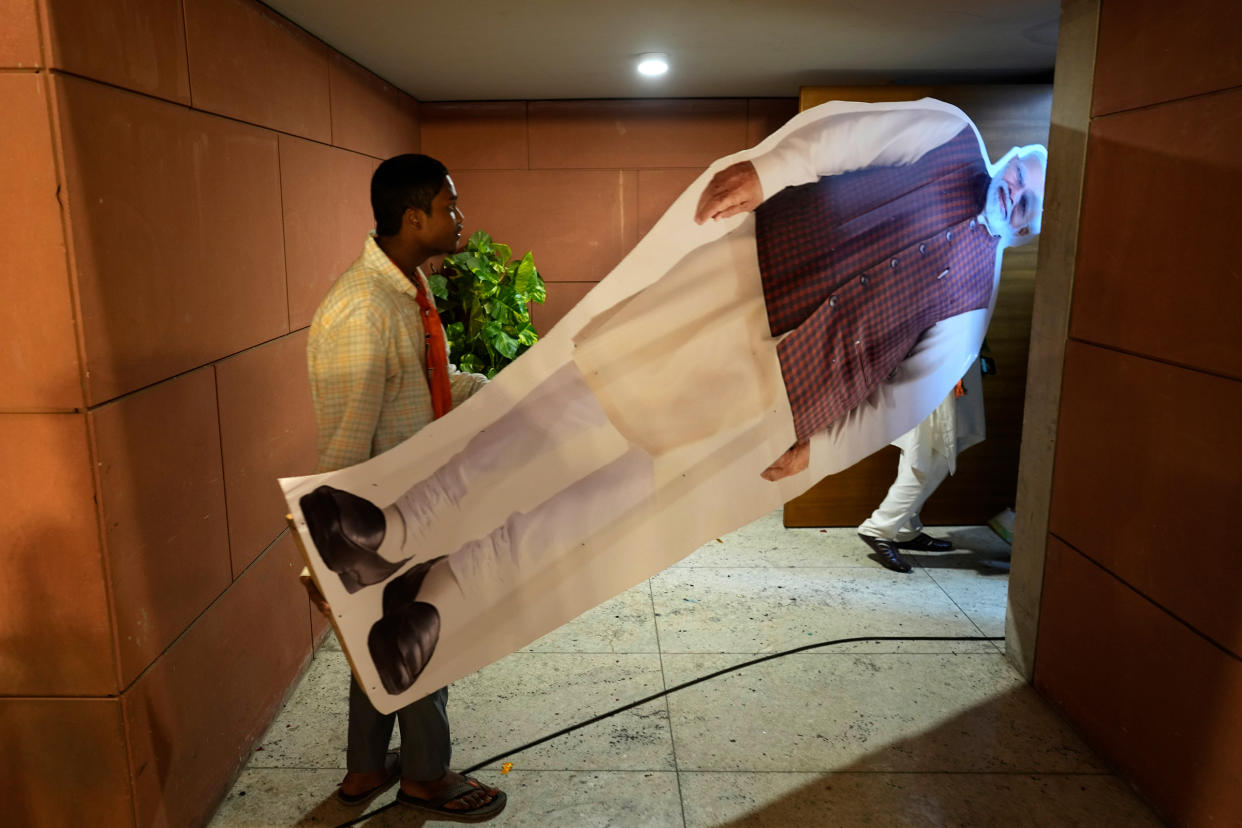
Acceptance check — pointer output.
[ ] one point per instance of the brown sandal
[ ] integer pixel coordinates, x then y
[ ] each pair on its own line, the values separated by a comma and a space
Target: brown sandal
435, 806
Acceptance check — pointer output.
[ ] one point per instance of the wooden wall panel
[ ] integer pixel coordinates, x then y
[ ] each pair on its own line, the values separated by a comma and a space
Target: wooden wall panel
1140, 624
1154, 50
1159, 247
1145, 451
1156, 698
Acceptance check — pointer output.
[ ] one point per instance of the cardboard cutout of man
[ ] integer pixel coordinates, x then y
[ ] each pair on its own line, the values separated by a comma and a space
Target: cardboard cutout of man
843, 287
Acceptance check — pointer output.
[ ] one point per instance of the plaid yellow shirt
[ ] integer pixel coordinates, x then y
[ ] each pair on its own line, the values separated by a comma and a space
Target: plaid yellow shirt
366, 358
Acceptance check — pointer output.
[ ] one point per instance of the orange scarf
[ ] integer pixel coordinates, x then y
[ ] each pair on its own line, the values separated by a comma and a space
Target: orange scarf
436, 356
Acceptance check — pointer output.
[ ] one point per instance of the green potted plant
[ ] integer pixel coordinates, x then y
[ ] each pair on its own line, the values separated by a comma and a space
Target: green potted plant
483, 300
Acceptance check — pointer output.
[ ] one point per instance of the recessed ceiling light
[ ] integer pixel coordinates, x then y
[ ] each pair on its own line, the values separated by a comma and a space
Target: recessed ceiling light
652, 64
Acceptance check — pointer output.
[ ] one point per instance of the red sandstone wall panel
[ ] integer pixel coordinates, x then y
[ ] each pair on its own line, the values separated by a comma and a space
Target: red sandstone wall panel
369, 115
162, 497
54, 621
135, 44
327, 213
64, 763
657, 190
1157, 699
475, 136
247, 62
192, 717
766, 115
1153, 50
627, 134
176, 226
267, 430
1158, 256
1143, 449
578, 223
562, 296
39, 363
19, 37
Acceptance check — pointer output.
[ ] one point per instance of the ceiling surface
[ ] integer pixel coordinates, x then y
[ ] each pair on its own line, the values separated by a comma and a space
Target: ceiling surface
473, 50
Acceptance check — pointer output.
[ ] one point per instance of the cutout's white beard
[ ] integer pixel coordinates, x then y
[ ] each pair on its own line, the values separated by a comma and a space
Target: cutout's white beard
995, 215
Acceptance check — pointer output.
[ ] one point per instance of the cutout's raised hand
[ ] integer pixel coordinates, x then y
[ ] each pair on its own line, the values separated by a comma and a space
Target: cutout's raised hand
735, 189
795, 459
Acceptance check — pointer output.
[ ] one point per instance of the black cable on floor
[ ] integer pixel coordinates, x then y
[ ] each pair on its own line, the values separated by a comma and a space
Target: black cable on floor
683, 686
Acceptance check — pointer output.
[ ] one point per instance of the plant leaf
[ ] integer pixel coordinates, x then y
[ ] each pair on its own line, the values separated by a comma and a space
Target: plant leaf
538, 294
500, 341
526, 276
439, 285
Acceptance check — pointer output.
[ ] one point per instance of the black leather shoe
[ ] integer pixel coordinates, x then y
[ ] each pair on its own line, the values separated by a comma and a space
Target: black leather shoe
886, 554
926, 543
347, 531
402, 642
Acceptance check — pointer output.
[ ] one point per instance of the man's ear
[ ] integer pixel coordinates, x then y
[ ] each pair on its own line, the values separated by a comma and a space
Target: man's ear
414, 217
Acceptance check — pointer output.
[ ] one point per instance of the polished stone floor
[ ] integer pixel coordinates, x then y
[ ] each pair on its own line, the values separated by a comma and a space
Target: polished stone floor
874, 733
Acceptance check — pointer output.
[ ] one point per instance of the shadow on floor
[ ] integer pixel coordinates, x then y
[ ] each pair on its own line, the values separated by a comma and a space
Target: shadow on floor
905, 784
978, 548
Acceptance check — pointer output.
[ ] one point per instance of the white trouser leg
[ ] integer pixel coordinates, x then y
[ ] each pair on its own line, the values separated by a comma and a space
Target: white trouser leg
896, 518
532, 446
528, 541
932, 478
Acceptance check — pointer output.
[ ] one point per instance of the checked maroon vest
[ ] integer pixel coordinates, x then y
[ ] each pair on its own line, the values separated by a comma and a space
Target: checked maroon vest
855, 267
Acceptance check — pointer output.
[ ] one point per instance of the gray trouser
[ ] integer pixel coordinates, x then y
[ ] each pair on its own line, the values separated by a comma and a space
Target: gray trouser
425, 746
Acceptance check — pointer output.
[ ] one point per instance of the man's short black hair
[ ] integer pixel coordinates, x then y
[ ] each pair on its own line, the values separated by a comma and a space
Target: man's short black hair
402, 182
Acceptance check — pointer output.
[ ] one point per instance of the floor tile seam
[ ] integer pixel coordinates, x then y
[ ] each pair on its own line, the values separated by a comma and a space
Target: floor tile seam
1000, 575
756, 653
588, 652
517, 767
769, 567
761, 653
856, 772
300, 768
580, 653
668, 713
953, 600
496, 766
850, 772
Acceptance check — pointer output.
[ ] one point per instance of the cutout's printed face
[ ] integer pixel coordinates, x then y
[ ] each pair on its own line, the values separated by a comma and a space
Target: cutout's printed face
1016, 196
